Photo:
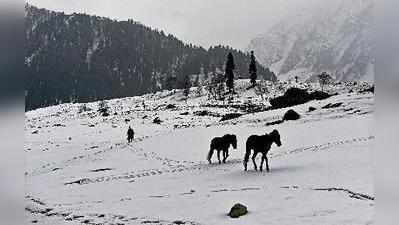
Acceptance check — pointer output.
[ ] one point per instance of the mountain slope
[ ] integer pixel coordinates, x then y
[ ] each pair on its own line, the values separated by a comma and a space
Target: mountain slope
85, 58
337, 39
80, 170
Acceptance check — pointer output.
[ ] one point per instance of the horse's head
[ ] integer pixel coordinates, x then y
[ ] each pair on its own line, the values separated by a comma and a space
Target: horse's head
276, 137
234, 141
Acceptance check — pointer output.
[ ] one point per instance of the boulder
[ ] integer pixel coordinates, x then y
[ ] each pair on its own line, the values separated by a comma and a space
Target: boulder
291, 115
311, 109
238, 210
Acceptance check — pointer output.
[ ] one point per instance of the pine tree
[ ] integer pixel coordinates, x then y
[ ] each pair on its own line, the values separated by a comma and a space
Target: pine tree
262, 89
229, 72
252, 70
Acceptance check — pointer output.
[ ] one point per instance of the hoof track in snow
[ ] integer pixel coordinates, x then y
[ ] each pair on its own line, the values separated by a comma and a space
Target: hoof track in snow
182, 168
234, 190
52, 167
313, 148
352, 194
39, 209
134, 175
326, 146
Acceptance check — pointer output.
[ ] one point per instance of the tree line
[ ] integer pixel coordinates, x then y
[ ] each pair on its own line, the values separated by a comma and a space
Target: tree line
82, 58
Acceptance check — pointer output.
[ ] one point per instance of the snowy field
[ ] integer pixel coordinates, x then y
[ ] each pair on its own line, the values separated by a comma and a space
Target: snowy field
80, 169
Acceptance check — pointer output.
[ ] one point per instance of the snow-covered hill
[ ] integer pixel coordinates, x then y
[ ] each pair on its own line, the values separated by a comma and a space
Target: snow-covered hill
80, 169
335, 37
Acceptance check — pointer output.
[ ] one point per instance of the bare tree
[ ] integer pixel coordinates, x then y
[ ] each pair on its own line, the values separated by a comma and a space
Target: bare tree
262, 89
103, 108
216, 87
324, 79
199, 90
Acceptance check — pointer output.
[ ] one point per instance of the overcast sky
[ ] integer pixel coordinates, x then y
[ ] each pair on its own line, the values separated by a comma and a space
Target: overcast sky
201, 22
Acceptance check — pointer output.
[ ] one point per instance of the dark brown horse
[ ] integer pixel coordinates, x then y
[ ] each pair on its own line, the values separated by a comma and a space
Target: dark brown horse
222, 144
261, 144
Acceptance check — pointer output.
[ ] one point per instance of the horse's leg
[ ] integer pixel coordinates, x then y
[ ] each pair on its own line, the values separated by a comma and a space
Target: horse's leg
225, 155
261, 162
246, 158
219, 157
253, 160
267, 163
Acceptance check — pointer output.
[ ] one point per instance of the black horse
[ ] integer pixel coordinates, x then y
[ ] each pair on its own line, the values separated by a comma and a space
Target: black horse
222, 144
261, 144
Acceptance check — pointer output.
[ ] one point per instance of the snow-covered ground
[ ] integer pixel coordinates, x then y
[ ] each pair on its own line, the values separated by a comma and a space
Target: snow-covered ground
80, 168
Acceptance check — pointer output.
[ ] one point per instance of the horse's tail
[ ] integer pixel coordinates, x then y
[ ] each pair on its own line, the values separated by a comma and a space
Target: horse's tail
210, 153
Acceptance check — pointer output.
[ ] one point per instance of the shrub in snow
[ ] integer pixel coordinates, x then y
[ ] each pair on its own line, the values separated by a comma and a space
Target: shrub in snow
230, 116
105, 114
171, 106
274, 122
103, 108
83, 108
297, 96
201, 113
238, 210
293, 96
291, 115
157, 120
331, 105
370, 89
319, 95
206, 113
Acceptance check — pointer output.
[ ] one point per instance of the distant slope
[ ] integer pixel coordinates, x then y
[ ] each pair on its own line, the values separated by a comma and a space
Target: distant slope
85, 58
336, 38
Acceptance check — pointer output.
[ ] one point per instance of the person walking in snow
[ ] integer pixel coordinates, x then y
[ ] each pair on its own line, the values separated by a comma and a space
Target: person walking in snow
130, 135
